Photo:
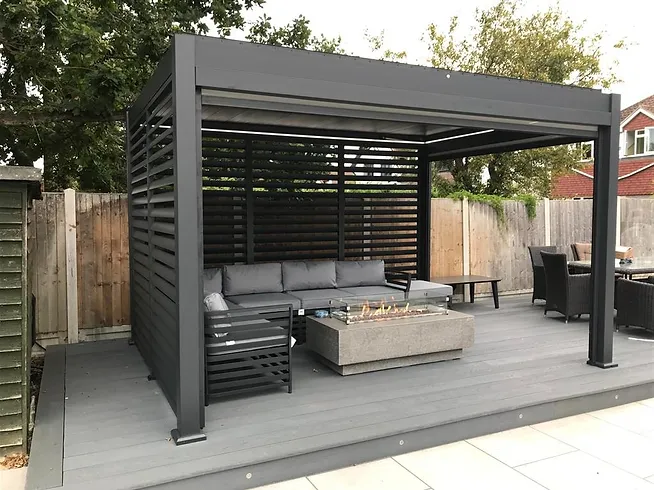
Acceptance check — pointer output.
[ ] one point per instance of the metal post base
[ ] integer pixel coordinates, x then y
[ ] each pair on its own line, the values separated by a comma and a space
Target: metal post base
181, 440
603, 365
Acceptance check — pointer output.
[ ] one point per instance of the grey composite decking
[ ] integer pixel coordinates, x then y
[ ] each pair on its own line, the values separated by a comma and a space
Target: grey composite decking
523, 369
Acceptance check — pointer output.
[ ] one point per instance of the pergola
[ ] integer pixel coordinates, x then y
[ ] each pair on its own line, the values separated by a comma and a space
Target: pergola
244, 153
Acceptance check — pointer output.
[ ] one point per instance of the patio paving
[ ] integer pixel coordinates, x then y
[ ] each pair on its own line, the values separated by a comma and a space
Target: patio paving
608, 449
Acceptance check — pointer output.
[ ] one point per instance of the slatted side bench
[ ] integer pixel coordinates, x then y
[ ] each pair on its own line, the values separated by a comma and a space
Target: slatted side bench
247, 349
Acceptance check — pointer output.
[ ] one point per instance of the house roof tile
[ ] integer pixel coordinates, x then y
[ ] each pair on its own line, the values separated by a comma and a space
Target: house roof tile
647, 104
636, 178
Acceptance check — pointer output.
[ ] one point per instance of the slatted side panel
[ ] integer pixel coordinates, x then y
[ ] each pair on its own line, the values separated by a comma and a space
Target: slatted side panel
152, 240
290, 198
295, 200
381, 206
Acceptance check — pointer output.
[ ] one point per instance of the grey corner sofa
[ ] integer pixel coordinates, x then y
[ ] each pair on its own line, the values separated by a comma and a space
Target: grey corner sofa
249, 334
308, 285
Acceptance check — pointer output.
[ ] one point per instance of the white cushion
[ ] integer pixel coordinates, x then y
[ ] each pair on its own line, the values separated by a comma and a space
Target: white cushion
215, 302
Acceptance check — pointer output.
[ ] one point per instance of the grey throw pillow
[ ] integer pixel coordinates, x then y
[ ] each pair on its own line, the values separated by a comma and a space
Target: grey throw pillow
312, 274
252, 279
354, 273
213, 281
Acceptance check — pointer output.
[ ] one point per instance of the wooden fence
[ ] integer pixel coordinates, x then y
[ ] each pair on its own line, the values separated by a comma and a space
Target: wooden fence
93, 230
84, 237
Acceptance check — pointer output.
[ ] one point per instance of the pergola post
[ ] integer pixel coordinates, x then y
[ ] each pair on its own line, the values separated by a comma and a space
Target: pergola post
605, 198
188, 230
424, 214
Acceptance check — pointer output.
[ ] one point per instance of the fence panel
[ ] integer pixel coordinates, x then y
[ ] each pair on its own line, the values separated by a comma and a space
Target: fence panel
446, 237
48, 274
102, 263
571, 222
637, 229
498, 247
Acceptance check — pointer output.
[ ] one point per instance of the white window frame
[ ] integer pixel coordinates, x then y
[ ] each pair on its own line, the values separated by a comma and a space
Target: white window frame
591, 144
646, 134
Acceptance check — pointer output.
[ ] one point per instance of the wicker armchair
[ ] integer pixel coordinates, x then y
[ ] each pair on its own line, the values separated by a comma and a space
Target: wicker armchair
539, 271
568, 294
635, 303
581, 251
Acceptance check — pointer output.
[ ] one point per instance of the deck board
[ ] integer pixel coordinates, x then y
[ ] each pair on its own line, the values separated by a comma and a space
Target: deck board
117, 423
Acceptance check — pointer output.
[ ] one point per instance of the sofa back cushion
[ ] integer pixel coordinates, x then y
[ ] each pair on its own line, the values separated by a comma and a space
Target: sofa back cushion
213, 281
351, 273
312, 274
252, 278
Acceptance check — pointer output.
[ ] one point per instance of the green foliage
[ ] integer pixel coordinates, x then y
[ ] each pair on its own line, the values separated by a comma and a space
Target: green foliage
545, 46
530, 203
71, 67
494, 201
296, 34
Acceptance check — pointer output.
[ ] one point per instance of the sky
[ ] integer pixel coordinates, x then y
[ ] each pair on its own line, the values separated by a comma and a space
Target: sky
404, 23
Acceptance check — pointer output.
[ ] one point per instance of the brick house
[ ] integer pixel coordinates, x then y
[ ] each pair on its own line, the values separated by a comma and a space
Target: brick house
636, 168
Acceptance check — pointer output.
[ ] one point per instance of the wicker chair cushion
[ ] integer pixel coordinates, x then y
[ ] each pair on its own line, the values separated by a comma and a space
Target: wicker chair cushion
583, 250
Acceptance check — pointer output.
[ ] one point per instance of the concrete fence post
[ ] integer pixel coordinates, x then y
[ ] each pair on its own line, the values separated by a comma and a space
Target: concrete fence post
70, 223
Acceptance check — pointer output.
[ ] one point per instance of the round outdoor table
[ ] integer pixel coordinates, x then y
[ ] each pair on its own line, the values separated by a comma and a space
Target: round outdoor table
638, 266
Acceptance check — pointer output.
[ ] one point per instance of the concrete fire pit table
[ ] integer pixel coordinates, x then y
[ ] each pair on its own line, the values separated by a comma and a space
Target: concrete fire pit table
389, 342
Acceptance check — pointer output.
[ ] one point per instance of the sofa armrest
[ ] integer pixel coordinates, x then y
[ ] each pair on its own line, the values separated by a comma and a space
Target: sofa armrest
247, 328
401, 279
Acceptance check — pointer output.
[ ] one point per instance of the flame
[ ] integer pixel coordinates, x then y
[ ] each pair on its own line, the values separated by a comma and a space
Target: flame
383, 309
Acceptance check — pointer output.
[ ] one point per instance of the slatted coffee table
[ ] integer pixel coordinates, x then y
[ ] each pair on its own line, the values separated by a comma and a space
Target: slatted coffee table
471, 280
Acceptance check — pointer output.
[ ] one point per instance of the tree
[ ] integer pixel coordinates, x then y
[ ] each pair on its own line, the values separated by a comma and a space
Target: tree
296, 34
546, 46
69, 68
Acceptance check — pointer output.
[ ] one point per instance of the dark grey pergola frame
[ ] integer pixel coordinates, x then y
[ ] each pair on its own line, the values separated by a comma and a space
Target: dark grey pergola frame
443, 114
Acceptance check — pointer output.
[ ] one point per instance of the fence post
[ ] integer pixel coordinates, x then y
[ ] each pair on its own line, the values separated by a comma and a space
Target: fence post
465, 207
548, 222
618, 222
70, 223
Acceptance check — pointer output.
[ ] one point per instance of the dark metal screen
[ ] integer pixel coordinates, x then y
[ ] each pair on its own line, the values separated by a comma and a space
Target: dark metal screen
150, 146
270, 198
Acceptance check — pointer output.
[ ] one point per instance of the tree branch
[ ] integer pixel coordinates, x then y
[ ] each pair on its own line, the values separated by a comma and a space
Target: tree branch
38, 118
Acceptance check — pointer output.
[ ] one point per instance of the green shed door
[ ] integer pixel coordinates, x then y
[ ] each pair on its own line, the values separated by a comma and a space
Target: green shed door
14, 334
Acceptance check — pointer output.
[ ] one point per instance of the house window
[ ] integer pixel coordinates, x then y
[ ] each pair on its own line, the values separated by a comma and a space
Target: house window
586, 150
639, 142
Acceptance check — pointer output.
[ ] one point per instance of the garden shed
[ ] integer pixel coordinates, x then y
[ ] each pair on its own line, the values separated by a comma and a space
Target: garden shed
244, 153
18, 187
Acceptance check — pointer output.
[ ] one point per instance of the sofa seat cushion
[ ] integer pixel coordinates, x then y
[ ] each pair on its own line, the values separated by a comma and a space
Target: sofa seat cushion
265, 299
252, 279
375, 291
353, 273
428, 289
310, 274
319, 298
